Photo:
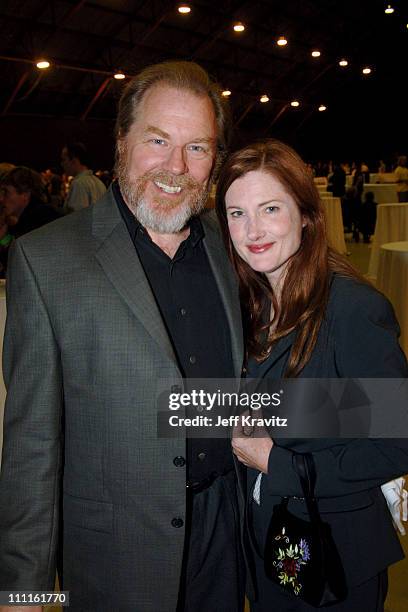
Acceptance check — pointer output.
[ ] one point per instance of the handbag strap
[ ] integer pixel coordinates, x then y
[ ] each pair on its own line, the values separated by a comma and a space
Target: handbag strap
306, 470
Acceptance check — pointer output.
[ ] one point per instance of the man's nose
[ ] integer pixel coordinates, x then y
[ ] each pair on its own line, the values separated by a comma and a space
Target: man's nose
176, 162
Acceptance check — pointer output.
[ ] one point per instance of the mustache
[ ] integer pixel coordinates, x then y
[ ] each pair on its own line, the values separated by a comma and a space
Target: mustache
183, 181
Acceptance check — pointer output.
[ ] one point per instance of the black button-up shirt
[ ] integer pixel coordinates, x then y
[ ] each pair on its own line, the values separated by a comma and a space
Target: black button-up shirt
192, 310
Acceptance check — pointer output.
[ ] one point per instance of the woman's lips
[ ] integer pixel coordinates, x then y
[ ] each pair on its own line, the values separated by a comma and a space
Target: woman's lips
259, 248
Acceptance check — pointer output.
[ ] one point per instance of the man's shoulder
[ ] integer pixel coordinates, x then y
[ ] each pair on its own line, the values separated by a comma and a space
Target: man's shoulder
68, 233
71, 224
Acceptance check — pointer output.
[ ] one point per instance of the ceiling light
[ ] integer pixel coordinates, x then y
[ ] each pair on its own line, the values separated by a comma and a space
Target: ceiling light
389, 9
343, 63
226, 93
43, 64
366, 70
119, 75
322, 108
295, 103
264, 98
282, 41
316, 53
239, 26
184, 9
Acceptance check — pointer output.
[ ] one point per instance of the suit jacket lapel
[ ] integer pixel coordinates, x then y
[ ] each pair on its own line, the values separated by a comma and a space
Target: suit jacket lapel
227, 286
118, 258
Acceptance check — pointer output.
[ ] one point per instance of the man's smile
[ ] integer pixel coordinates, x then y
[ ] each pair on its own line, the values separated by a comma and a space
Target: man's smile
167, 188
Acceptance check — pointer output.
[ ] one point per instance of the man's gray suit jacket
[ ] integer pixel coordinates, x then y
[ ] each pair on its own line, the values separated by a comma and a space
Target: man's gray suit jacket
84, 348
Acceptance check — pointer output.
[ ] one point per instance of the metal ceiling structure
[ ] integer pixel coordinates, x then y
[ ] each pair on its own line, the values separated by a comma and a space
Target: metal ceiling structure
86, 41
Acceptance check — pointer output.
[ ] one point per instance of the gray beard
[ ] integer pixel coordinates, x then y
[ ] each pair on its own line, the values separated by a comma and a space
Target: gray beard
160, 216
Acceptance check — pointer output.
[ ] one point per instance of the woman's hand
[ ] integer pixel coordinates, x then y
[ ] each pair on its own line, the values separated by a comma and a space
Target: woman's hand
252, 447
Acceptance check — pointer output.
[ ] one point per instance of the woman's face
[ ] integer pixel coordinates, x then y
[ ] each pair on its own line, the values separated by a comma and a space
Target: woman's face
264, 222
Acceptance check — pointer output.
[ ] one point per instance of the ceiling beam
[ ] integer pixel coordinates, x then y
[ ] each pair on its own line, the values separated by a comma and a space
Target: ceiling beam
15, 92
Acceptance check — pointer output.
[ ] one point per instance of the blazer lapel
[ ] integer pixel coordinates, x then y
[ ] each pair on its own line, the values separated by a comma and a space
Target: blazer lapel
281, 348
120, 262
227, 286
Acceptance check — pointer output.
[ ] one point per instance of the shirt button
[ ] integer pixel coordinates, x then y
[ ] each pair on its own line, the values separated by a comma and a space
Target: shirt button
175, 389
177, 522
192, 359
183, 312
179, 461
201, 456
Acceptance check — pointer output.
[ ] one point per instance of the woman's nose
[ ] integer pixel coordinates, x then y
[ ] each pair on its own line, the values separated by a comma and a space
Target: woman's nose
255, 229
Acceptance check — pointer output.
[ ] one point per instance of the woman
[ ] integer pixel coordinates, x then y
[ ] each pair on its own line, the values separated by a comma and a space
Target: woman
307, 313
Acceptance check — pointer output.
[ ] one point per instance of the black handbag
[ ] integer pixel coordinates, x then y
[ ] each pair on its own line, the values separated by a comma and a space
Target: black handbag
301, 556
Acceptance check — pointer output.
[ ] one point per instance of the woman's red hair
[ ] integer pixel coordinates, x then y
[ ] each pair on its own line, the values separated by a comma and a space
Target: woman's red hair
305, 290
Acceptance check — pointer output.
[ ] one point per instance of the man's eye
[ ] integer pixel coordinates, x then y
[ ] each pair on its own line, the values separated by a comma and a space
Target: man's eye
198, 150
157, 141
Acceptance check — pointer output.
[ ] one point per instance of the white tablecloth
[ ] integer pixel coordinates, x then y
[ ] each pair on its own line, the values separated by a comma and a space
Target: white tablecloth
392, 280
383, 193
2, 387
391, 226
334, 223
385, 177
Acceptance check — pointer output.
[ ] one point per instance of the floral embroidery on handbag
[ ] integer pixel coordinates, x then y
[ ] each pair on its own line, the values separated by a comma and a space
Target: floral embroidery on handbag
290, 559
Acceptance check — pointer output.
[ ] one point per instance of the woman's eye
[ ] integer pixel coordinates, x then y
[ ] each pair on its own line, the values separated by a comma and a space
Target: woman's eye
271, 209
236, 213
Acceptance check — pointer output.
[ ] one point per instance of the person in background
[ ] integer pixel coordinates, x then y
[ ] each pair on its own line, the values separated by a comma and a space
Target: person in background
338, 181
5, 167
366, 171
308, 314
85, 188
358, 188
24, 207
347, 205
382, 168
368, 216
401, 174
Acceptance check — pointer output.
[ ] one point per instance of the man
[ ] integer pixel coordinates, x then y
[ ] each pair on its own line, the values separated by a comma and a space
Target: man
117, 296
23, 207
85, 188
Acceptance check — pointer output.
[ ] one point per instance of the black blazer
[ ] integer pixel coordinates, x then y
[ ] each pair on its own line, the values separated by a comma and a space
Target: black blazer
358, 339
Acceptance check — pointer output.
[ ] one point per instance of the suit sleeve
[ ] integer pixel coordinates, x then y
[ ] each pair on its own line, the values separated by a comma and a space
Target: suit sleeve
366, 346
31, 463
